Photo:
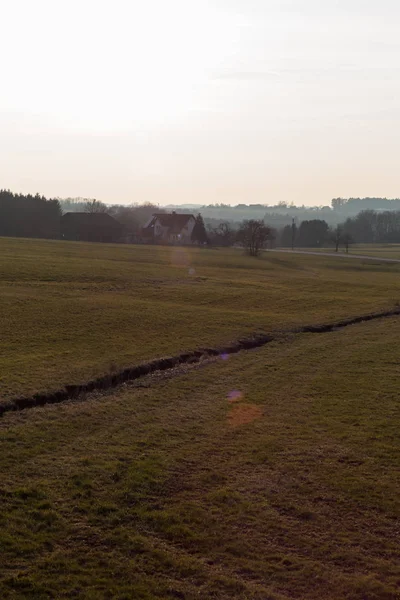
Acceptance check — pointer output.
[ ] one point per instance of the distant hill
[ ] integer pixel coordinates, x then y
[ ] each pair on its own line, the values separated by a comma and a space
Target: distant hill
352, 206
277, 215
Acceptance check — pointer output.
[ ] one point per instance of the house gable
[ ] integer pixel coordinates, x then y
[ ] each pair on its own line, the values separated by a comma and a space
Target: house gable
169, 228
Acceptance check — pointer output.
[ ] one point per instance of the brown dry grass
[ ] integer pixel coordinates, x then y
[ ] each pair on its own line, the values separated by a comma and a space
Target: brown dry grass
151, 493
71, 312
243, 414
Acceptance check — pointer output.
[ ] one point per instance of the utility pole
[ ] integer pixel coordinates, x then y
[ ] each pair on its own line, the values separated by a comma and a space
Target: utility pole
293, 232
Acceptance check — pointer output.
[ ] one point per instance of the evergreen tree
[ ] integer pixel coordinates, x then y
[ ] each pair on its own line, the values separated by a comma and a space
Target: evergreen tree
199, 233
29, 216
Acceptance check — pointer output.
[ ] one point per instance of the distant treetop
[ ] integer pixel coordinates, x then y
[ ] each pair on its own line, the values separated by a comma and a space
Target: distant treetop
356, 205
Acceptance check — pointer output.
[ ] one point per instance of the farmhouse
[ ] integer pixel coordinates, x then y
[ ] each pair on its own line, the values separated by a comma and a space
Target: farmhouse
170, 228
90, 227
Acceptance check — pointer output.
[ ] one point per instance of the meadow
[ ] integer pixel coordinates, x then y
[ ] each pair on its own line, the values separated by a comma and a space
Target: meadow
373, 250
271, 474
71, 312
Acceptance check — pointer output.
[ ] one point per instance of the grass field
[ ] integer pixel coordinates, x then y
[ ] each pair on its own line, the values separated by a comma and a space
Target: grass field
269, 475
378, 250
272, 475
70, 312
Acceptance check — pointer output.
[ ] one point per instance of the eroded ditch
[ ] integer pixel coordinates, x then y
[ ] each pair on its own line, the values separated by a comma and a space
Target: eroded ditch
129, 374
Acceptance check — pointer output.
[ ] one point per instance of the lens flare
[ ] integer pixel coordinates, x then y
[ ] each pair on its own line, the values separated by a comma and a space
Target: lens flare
244, 414
180, 257
235, 396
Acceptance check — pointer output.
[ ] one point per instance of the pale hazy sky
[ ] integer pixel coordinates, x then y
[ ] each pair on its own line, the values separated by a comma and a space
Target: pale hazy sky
200, 101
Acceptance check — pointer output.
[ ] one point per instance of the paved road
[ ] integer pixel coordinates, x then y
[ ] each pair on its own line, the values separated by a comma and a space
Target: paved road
338, 255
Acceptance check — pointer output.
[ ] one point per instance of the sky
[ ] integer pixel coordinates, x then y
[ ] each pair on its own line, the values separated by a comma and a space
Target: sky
196, 101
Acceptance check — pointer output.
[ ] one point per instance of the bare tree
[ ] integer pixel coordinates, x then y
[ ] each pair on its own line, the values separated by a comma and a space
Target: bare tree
222, 235
253, 235
337, 237
347, 240
95, 206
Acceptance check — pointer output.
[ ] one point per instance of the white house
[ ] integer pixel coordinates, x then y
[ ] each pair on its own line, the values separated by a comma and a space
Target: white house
170, 228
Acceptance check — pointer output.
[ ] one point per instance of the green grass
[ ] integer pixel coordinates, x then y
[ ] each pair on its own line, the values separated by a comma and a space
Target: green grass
173, 491
70, 311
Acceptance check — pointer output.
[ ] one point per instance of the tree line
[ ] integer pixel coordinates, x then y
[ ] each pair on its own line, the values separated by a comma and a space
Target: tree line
368, 227
29, 216
310, 233
353, 206
281, 213
374, 227
36, 216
